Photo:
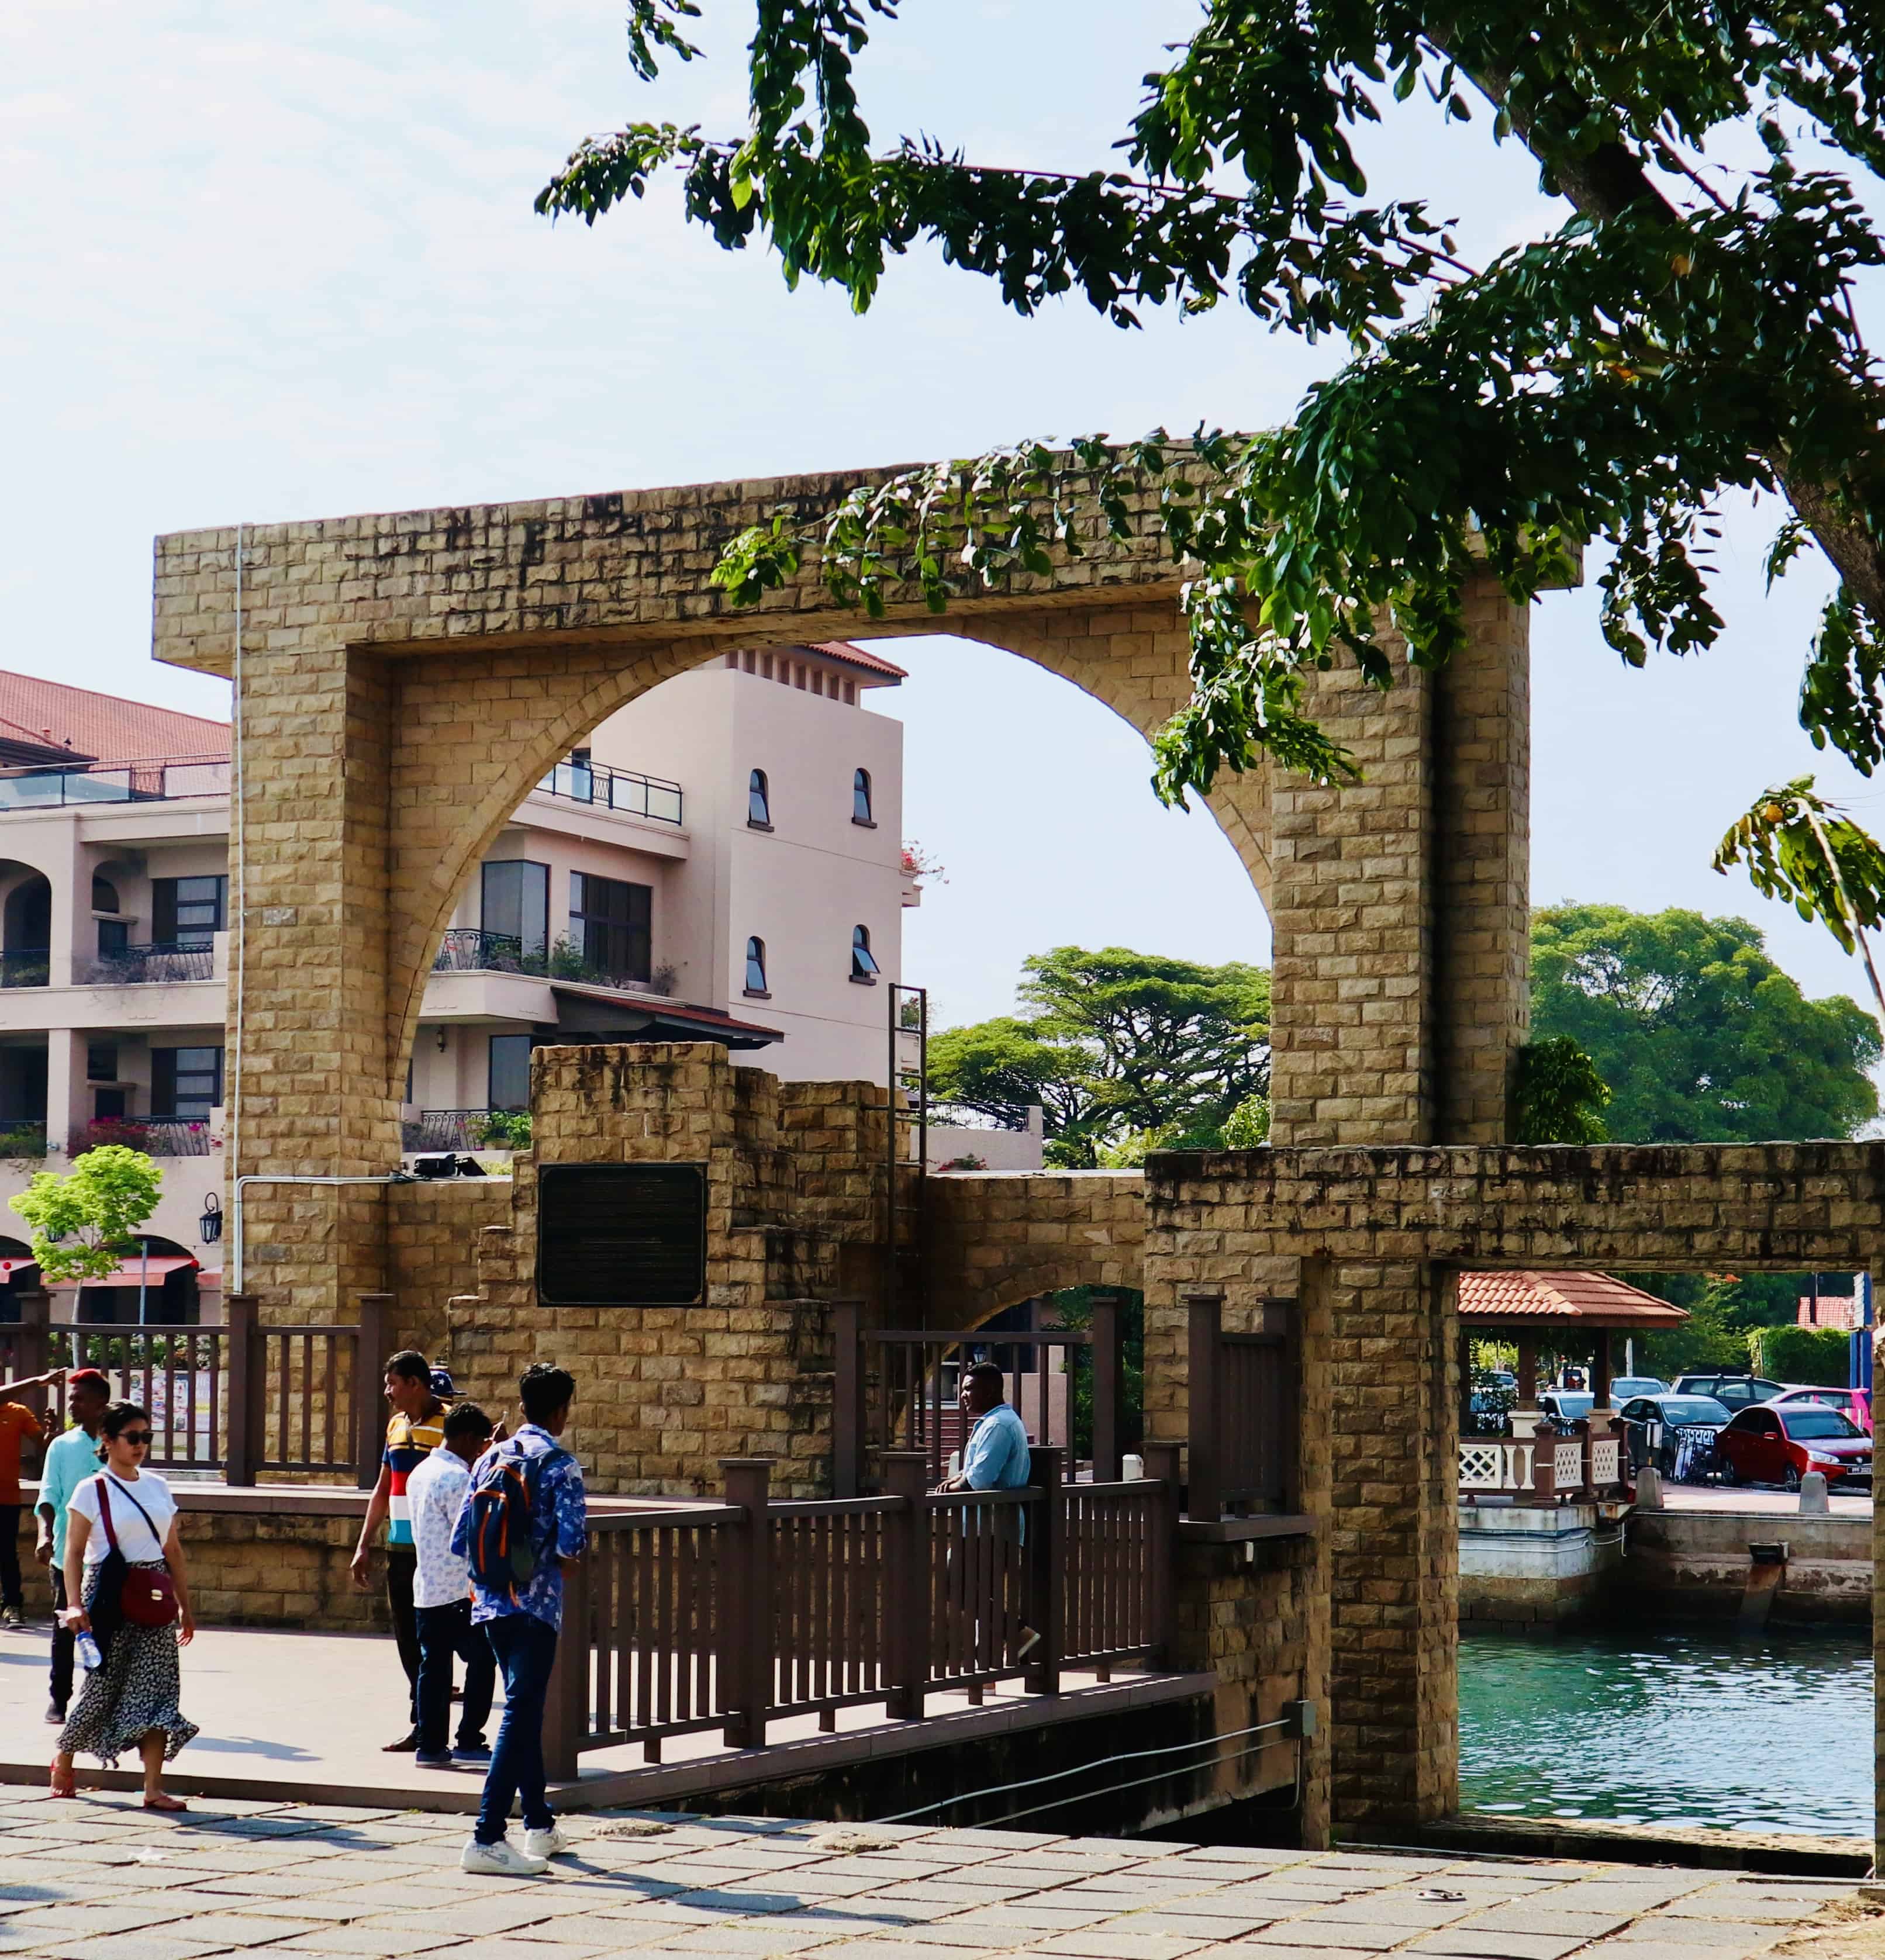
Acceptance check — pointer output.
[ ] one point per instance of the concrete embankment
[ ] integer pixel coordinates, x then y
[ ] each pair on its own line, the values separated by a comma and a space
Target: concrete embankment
1713, 1555
1791, 1568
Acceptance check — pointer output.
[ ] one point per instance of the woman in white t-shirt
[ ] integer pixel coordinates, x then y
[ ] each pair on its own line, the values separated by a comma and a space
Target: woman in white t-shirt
131, 1701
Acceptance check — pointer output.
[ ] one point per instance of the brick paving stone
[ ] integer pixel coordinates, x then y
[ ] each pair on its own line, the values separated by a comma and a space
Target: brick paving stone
1547, 1916
1744, 1903
1098, 1944
1043, 1917
1248, 1949
1499, 1945
904, 1949
230, 1929
101, 1920
1739, 1935
1204, 1925
376, 1942
769, 1937
133, 1946
1389, 1909
1348, 1937
947, 1935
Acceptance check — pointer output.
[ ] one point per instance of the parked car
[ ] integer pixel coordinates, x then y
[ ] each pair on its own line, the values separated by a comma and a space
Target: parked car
1670, 1429
1732, 1391
1566, 1406
1623, 1387
1770, 1443
1855, 1404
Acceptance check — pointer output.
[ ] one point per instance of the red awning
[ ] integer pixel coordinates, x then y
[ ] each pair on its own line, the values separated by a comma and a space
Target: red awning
159, 1266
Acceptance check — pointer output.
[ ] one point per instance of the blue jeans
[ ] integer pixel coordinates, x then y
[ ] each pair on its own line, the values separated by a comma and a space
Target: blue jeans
526, 1648
445, 1632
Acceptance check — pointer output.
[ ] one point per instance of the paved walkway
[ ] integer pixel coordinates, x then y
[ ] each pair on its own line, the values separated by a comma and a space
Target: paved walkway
285, 1881
1754, 1504
287, 1713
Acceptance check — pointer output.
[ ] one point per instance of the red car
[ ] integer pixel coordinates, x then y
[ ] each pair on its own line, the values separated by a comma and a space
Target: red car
1854, 1403
1769, 1444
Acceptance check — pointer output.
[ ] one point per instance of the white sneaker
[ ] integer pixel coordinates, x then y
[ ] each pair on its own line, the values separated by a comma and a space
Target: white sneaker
503, 1859
547, 1844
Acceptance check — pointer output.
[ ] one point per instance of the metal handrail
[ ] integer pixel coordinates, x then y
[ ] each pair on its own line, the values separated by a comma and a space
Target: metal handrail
158, 964
153, 779
626, 792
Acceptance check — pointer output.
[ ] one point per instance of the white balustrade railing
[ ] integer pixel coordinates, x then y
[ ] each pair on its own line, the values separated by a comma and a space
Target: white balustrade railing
1496, 1464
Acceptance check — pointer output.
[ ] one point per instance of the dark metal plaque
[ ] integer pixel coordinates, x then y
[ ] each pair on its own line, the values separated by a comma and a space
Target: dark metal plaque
622, 1235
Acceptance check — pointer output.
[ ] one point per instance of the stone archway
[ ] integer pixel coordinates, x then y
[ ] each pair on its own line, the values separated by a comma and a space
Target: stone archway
407, 677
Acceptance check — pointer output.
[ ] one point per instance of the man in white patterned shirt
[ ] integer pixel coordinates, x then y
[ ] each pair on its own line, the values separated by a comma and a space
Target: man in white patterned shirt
441, 1598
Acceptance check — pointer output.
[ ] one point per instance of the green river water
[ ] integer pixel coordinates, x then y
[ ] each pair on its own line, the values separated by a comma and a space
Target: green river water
1692, 1727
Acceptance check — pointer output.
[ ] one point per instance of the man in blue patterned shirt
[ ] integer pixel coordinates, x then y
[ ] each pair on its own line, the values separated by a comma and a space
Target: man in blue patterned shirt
522, 1626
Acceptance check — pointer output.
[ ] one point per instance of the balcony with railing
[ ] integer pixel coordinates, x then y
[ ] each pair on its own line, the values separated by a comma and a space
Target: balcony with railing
624, 791
467, 949
26, 967
149, 966
159, 779
485, 1129
156, 1136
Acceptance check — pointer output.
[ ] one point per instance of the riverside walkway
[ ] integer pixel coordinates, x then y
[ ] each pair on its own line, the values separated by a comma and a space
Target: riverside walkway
288, 1881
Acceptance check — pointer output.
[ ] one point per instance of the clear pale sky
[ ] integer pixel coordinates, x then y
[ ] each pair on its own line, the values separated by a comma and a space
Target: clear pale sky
272, 263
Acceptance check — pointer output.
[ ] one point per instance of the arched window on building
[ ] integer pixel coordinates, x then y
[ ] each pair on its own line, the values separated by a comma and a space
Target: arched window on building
759, 800
755, 966
861, 798
864, 966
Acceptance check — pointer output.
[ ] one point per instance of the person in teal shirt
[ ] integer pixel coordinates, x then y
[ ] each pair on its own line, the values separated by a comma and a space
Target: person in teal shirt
70, 1459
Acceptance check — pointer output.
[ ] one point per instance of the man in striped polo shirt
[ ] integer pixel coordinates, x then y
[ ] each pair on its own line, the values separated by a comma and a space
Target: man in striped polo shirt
415, 1429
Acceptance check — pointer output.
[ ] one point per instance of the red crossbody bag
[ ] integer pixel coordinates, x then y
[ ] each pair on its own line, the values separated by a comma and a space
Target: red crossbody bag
148, 1599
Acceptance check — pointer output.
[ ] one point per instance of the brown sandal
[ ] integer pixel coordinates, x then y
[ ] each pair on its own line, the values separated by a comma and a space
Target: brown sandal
164, 1801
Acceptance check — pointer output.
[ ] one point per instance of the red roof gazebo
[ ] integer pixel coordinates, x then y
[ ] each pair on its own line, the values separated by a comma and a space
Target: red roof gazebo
1527, 1307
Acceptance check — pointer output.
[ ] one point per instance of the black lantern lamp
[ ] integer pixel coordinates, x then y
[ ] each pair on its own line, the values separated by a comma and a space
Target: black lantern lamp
209, 1226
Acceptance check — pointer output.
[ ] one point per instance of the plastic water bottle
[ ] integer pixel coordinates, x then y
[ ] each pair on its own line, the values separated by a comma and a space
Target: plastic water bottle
86, 1648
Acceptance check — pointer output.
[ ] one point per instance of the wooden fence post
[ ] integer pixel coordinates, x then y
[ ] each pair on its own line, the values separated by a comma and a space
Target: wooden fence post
566, 1700
1109, 1381
1204, 1498
746, 1637
32, 1346
372, 1342
906, 1583
1162, 1462
1045, 1558
243, 1394
847, 1397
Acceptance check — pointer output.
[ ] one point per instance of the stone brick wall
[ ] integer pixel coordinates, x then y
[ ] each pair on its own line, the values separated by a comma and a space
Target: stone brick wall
795, 1194
991, 1238
432, 1232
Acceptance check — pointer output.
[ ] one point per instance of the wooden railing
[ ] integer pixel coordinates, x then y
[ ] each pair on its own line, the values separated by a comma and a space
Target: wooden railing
730, 1615
1244, 1391
895, 1388
244, 1399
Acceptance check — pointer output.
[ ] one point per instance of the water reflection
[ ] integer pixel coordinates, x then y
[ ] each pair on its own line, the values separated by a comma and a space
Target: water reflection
1688, 1727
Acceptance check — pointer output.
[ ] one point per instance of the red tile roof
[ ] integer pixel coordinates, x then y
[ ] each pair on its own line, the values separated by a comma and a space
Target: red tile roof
860, 656
1595, 1299
101, 727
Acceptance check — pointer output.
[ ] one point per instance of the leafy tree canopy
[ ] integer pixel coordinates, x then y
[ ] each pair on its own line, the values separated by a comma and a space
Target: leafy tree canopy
1699, 1036
84, 1222
1111, 1045
1690, 329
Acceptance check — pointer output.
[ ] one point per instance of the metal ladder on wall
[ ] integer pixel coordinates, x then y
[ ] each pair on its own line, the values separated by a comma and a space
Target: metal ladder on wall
909, 1070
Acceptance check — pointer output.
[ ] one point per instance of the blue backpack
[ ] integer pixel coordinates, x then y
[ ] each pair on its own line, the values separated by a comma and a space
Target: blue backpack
505, 1490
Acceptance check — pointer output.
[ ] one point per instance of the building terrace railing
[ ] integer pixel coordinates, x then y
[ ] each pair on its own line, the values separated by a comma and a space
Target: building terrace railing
243, 1398
685, 1618
149, 966
26, 967
158, 779
156, 1136
467, 949
622, 790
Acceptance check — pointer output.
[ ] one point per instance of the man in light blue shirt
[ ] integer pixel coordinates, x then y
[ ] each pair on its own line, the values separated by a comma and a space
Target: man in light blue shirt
995, 1457
70, 1459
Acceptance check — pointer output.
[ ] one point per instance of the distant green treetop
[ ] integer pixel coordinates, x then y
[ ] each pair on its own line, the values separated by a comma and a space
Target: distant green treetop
1699, 1037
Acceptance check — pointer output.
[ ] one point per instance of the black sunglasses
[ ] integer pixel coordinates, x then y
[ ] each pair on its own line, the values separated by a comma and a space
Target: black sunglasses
139, 1439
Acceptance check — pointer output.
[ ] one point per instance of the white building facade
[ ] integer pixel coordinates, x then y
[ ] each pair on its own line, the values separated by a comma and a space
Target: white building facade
722, 861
